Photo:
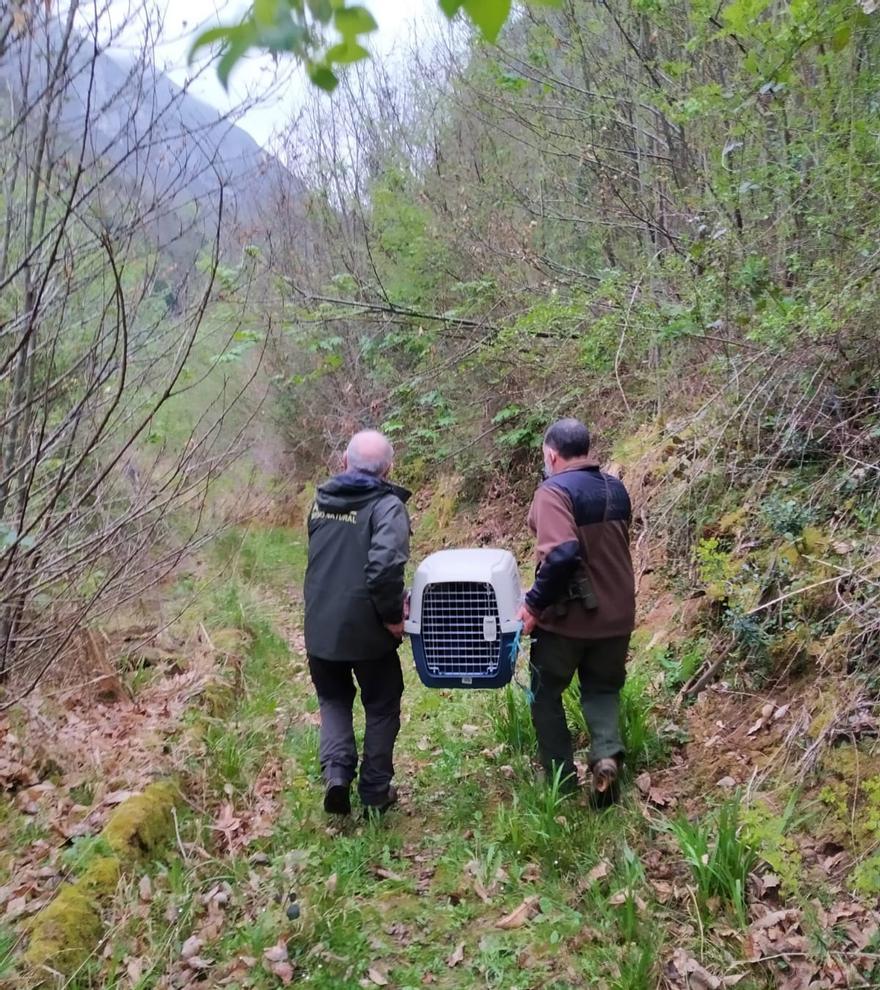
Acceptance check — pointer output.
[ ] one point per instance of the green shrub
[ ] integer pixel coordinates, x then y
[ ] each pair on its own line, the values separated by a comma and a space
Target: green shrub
785, 516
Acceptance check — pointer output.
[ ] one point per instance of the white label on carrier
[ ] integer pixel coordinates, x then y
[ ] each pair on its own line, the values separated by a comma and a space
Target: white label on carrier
490, 629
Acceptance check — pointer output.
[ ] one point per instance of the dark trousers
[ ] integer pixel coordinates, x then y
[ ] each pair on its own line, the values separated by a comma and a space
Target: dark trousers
381, 684
601, 668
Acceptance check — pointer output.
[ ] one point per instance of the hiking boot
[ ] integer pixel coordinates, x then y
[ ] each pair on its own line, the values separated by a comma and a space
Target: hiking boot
606, 786
383, 804
337, 800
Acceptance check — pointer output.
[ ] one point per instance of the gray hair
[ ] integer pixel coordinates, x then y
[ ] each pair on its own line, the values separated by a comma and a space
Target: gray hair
569, 438
371, 452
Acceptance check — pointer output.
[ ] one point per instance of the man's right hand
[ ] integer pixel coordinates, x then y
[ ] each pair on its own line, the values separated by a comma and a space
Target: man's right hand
528, 619
396, 629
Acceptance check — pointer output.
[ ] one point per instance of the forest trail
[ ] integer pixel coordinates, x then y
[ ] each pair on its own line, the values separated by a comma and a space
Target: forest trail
657, 216
481, 876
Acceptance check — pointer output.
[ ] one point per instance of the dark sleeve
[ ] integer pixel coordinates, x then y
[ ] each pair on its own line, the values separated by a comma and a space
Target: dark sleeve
558, 547
386, 560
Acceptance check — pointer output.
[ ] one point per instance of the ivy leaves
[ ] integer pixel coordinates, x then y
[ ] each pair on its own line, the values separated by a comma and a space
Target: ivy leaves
299, 28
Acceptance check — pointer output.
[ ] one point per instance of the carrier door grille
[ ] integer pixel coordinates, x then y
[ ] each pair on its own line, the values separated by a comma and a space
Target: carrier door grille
457, 617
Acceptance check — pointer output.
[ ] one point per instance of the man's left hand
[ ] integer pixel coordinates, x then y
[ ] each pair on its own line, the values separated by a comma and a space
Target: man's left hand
528, 619
396, 629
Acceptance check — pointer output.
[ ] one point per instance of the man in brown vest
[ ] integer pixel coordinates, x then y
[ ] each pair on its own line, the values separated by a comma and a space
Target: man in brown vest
580, 610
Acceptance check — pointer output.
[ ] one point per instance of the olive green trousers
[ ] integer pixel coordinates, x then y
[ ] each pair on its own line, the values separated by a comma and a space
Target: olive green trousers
600, 665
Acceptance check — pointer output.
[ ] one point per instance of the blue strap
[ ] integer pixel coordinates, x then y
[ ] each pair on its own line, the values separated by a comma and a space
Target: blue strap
515, 648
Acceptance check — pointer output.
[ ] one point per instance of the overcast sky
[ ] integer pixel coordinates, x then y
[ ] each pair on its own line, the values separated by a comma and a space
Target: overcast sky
396, 18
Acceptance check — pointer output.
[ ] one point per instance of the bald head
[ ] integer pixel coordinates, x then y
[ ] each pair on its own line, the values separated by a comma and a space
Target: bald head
371, 452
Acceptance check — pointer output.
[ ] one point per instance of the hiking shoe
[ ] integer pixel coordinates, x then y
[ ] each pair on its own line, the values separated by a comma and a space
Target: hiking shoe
337, 800
606, 786
381, 806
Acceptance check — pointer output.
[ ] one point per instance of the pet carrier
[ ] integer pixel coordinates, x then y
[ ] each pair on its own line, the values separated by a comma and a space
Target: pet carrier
462, 620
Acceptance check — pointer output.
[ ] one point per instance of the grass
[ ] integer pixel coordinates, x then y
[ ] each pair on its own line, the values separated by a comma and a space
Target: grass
268, 556
720, 858
511, 720
233, 754
642, 738
8, 940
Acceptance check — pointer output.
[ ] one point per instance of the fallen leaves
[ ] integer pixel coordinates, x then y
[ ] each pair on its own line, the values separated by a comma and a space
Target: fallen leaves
190, 947
520, 915
772, 919
382, 874
683, 970
598, 872
770, 712
134, 968
227, 823
456, 957
484, 887
96, 755
655, 795
378, 976
481, 892
276, 961
623, 896
15, 908
776, 938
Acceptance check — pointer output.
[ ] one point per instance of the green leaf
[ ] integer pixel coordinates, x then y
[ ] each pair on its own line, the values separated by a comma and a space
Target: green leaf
240, 40
322, 10
488, 15
450, 7
323, 77
841, 38
352, 21
284, 37
513, 82
268, 11
208, 38
507, 413
347, 52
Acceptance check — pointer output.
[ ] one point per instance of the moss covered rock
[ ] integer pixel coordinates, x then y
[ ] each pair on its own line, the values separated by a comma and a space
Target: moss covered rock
66, 932
101, 876
143, 822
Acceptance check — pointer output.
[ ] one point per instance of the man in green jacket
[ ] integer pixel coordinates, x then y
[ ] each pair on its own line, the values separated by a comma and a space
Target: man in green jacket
359, 533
